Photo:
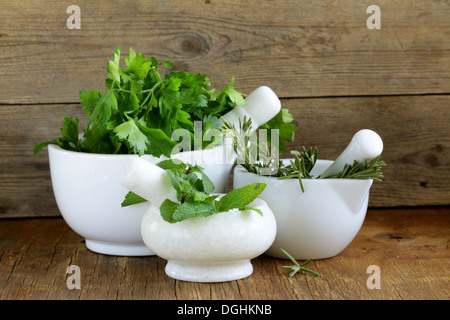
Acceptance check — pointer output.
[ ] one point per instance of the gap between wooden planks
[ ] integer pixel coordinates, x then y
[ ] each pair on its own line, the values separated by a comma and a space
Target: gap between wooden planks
299, 48
414, 129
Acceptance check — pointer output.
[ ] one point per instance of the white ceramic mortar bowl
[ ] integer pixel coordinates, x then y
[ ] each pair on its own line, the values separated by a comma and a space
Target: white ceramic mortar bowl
89, 194
319, 223
216, 248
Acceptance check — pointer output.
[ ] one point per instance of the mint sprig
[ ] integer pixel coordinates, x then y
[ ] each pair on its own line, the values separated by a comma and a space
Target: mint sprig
236, 199
194, 194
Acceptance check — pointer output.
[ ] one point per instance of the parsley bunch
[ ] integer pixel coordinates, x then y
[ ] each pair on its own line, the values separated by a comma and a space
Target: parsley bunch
139, 110
194, 194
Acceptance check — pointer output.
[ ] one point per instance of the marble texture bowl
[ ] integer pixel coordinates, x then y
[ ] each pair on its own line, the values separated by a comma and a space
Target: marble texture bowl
215, 248
89, 194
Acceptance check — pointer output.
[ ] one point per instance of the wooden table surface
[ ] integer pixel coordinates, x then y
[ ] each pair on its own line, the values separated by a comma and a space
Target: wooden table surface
410, 246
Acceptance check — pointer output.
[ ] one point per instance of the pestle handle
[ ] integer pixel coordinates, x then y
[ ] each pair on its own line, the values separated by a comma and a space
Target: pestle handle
365, 145
148, 181
261, 106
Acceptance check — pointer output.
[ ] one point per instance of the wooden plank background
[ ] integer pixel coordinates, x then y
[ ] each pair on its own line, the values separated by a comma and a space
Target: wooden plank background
333, 73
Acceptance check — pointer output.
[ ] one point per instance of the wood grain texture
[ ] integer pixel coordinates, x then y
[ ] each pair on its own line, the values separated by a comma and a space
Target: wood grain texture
414, 130
409, 245
333, 73
416, 137
24, 177
299, 48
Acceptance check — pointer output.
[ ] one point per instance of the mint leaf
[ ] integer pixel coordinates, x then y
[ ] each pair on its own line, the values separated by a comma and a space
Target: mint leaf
189, 210
194, 190
239, 198
172, 164
167, 209
132, 198
254, 209
177, 181
207, 185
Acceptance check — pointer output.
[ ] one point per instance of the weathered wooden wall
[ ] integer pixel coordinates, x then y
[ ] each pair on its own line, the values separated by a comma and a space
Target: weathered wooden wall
333, 73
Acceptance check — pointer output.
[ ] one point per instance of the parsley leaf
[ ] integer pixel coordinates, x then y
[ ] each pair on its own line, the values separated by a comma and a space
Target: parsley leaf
231, 93
286, 130
114, 67
69, 136
130, 132
139, 110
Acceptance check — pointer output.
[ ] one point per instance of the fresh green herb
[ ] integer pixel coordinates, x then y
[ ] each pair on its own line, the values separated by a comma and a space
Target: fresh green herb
298, 267
247, 145
239, 198
194, 194
139, 109
367, 170
298, 168
132, 198
286, 129
69, 136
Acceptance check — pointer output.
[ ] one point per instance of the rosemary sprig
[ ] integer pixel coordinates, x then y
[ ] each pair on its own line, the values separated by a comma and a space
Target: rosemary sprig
246, 146
298, 267
301, 166
366, 170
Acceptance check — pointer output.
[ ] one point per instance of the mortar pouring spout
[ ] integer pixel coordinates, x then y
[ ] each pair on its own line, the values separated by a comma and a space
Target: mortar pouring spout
354, 195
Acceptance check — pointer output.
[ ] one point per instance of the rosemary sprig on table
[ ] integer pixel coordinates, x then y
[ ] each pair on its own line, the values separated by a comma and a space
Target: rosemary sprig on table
298, 267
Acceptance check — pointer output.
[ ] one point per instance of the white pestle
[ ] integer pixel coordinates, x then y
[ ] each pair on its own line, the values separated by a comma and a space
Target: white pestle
148, 181
261, 106
365, 145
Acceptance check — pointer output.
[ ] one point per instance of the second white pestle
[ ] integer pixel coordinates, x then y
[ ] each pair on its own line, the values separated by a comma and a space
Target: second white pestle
365, 145
261, 106
148, 181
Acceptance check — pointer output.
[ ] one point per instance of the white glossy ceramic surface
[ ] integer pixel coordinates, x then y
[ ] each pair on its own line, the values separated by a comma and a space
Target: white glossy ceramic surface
89, 195
318, 223
210, 249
